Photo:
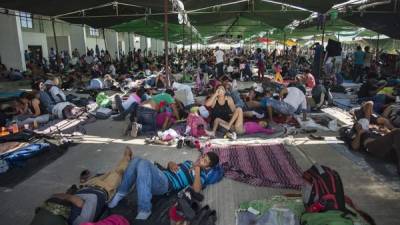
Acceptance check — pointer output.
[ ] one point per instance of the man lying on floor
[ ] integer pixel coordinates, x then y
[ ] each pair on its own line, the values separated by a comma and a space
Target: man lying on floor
87, 203
150, 180
377, 141
294, 101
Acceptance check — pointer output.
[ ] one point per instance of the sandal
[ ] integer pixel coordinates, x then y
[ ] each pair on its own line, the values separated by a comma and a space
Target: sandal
315, 137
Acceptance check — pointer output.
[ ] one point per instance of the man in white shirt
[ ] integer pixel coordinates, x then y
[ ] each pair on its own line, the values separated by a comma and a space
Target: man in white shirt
186, 92
287, 106
219, 56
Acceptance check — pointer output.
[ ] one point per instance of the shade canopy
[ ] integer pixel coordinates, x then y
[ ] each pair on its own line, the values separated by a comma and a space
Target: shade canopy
213, 19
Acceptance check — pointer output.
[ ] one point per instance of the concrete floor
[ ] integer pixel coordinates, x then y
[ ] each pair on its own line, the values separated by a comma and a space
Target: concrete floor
103, 147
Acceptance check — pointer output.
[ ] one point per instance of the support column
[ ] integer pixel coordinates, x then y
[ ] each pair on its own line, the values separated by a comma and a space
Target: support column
105, 41
191, 38
111, 42
55, 41
166, 41
183, 37
78, 38
284, 43
377, 48
11, 45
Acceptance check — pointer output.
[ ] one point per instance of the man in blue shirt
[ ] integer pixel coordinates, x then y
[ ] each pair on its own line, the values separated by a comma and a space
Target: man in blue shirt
150, 180
358, 57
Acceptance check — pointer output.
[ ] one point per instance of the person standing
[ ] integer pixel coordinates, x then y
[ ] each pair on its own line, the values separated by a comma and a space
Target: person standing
367, 59
219, 57
260, 64
318, 51
358, 57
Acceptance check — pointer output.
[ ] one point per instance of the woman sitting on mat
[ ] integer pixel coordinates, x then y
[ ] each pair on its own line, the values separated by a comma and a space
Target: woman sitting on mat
221, 106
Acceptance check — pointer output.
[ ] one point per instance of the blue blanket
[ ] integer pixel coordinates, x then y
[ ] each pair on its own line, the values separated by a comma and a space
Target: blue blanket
15, 158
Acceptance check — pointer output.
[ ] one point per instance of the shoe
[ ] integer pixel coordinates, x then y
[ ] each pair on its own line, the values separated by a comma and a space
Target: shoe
315, 137
231, 136
118, 104
127, 129
148, 141
234, 136
136, 127
115, 200
142, 215
258, 115
180, 144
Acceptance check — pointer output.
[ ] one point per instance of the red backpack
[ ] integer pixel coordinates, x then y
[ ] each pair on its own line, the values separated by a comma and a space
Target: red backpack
323, 190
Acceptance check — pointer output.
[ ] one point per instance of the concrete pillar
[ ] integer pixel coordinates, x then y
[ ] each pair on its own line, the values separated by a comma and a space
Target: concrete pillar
112, 42
78, 38
143, 42
11, 44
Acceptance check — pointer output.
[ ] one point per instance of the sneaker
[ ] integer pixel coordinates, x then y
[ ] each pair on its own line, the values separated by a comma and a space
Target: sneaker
258, 115
231, 136
180, 143
127, 129
234, 136
115, 200
134, 130
142, 215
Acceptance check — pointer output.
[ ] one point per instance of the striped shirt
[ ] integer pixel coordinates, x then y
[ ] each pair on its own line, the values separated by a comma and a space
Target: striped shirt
184, 177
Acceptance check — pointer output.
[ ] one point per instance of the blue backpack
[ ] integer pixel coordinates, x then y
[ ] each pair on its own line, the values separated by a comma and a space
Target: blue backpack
214, 175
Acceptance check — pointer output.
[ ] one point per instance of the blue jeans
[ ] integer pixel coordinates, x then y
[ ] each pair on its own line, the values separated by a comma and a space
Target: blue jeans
279, 106
236, 99
149, 181
146, 117
131, 109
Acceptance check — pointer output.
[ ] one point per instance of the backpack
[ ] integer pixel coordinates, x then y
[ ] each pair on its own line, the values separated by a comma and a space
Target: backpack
346, 134
323, 190
214, 175
393, 114
103, 113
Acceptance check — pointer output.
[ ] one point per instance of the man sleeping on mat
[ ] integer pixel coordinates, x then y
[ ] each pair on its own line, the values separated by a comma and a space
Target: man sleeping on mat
85, 204
150, 180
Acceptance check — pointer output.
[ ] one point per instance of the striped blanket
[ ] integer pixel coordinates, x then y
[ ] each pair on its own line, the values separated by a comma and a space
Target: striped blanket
260, 165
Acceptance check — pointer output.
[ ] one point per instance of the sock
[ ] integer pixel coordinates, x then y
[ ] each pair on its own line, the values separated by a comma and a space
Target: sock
258, 115
115, 200
142, 215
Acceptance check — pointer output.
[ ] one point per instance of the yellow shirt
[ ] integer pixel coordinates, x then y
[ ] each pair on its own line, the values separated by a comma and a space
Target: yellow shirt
278, 78
386, 90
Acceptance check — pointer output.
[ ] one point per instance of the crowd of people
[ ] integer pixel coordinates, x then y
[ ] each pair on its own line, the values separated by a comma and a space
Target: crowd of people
289, 82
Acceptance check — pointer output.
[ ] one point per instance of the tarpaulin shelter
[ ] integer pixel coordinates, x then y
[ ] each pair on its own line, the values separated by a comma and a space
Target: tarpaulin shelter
214, 18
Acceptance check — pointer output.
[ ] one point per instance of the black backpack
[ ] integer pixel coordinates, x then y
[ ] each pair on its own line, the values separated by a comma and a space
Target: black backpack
323, 190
